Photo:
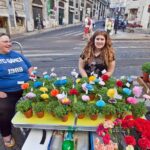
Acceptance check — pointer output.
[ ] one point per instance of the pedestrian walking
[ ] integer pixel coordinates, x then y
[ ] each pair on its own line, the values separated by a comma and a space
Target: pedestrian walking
98, 56
87, 28
116, 24
109, 25
14, 68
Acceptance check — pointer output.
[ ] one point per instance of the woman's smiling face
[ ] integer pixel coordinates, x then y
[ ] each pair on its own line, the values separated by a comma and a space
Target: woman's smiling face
100, 41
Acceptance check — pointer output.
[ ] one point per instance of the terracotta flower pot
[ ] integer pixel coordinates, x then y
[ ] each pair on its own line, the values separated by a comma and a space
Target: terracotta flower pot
92, 96
40, 114
29, 113
94, 117
145, 76
108, 117
81, 116
64, 118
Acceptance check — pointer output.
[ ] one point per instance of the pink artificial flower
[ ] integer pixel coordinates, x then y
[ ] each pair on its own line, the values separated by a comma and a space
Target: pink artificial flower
137, 91
131, 100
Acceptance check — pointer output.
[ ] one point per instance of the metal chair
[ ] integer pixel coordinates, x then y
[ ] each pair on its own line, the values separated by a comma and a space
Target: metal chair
17, 46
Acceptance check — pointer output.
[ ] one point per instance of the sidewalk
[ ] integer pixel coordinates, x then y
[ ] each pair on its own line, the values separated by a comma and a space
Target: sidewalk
130, 36
27, 34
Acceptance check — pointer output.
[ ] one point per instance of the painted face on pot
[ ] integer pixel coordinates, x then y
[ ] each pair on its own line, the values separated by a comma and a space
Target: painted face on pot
100, 41
5, 44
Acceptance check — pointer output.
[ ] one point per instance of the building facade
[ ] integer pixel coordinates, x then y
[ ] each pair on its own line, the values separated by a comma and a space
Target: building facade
19, 16
117, 7
139, 12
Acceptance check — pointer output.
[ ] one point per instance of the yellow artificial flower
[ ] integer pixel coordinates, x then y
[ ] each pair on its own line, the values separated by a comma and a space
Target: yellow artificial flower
111, 93
43, 89
44, 96
78, 80
92, 78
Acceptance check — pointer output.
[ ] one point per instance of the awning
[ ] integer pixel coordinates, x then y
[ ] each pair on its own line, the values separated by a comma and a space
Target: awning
4, 13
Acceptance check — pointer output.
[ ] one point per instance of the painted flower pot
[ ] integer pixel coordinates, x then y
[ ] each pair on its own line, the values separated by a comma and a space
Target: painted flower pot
81, 116
28, 114
92, 97
108, 117
94, 117
145, 76
40, 114
64, 118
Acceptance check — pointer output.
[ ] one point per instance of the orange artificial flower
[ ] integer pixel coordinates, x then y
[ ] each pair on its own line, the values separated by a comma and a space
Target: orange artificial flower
54, 92
25, 86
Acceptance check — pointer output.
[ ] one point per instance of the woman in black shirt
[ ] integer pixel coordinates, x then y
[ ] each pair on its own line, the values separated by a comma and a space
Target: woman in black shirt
98, 56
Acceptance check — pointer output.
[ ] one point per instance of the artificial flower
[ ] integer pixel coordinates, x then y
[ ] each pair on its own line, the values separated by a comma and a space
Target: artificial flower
44, 96
61, 96
37, 84
129, 147
30, 95
108, 124
78, 80
127, 91
92, 78
46, 76
144, 143
100, 103
54, 92
105, 77
131, 100
106, 138
73, 92
65, 101
85, 98
43, 89
137, 91
119, 83
130, 140
25, 86
111, 93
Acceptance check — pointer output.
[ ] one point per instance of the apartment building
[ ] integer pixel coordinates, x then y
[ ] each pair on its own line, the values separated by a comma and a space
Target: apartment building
18, 16
138, 12
12, 16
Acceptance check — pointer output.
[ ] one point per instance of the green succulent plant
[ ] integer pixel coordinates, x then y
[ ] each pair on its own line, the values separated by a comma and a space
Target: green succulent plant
79, 108
139, 109
109, 109
24, 105
39, 107
92, 109
60, 111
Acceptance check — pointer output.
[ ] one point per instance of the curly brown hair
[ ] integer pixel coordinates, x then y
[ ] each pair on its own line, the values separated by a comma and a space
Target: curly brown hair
107, 52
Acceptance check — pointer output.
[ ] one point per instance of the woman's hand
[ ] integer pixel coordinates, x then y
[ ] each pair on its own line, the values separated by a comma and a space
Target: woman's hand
3, 95
30, 70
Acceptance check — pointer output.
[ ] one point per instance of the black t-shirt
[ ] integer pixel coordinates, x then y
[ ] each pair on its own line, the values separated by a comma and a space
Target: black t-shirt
96, 65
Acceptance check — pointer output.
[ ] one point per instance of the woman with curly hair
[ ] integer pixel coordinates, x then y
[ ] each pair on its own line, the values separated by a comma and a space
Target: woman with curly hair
98, 56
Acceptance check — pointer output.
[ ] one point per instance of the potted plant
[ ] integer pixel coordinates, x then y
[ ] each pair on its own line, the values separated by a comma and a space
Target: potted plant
121, 109
139, 109
108, 111
146, 71
92, 111
61, 112
79, 108
25, 107
51, 106
39, 108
